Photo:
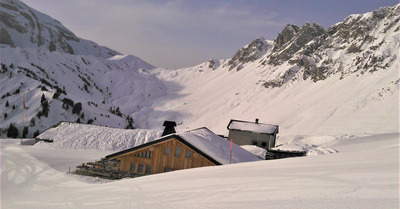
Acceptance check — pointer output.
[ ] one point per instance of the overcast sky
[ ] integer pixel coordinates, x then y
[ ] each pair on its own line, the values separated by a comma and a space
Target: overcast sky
183, 33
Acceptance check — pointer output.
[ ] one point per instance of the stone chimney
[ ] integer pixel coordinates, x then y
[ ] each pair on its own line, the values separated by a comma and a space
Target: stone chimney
169, 127
256, 120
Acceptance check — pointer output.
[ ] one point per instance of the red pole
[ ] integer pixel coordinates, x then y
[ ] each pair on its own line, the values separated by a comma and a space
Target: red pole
231, 154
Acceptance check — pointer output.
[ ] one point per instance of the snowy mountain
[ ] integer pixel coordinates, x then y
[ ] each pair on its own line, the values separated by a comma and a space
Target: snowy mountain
309, 80
22, 26
65, 78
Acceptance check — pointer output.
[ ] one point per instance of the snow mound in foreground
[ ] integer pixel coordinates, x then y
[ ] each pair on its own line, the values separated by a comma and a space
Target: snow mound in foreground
83, 136
310, 149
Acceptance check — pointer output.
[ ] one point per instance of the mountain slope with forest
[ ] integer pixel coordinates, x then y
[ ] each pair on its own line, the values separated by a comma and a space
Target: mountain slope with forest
64, 78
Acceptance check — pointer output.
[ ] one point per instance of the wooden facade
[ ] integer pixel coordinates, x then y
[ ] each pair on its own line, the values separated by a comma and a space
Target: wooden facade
163, 155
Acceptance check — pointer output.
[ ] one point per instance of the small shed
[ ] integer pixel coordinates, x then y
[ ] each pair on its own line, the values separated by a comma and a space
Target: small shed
191, 149
253, 133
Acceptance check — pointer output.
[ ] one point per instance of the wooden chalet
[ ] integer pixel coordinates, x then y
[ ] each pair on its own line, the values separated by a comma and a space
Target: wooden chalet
192, 149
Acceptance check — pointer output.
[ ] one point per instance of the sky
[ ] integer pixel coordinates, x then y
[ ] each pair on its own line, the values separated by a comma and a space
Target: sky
183, 33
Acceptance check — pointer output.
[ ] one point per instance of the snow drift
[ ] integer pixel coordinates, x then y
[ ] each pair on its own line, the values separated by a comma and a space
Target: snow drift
81, 136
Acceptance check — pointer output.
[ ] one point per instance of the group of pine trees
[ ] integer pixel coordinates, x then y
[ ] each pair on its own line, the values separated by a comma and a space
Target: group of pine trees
13, 132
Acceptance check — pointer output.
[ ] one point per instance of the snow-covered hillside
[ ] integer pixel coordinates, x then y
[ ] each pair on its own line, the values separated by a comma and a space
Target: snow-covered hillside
63, 87
308, 81
86, 83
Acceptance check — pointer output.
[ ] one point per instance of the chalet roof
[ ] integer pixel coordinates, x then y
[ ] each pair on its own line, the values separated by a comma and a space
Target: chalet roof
206, 143
253, 127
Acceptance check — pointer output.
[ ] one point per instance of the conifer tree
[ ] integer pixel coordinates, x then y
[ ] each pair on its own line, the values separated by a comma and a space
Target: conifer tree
12, 131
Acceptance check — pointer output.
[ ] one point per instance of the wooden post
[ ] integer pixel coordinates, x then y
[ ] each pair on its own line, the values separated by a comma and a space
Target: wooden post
230, 158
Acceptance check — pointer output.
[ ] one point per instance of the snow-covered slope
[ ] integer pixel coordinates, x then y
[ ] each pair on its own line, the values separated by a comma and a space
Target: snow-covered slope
63, 87
308, 81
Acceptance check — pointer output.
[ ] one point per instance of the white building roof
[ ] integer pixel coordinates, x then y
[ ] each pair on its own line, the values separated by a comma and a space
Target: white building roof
252, 127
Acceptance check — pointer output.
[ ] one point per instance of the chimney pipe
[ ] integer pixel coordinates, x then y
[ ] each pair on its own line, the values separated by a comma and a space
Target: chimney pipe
256, 120
169, 127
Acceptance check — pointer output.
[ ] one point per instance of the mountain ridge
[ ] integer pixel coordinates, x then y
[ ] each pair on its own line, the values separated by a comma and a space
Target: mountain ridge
302, 65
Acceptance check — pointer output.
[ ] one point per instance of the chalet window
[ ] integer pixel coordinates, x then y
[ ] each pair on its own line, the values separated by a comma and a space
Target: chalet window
145, 154
148, 169
166, 150
263, 144
149, 155
259, 144
140, 168
188, 154
177, 151
133, 167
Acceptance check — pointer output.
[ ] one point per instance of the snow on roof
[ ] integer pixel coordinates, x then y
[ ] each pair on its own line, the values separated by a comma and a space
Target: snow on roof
217, 147
84, 136
253, 127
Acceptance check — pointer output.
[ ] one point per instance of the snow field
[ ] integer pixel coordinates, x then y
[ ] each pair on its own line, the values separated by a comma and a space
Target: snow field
364, 174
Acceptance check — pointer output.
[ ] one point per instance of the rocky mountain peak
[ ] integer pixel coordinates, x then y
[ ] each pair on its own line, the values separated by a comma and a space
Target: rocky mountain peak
361, 43
292, 39
286, 35
24, 27
249, 53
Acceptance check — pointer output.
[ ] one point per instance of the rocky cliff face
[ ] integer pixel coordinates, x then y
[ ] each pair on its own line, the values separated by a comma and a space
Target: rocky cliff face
22, 26
363, 43
249, 53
